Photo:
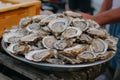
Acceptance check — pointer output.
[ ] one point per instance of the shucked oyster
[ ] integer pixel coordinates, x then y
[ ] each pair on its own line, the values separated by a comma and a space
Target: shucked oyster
38, 18
75, 50
98, 32
71, 32
73, 14
24, 22
34, 28
60, 44
58, 25
112, 42
85, 38
18, 49
99, 46
40, 55
48, 41
93, 24
80, 23
46, 20
86, 56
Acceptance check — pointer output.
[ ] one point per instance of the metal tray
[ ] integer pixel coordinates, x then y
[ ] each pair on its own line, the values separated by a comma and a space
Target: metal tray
55, 67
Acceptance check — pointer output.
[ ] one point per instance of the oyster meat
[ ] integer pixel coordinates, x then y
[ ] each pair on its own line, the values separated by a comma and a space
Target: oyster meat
48, 41
86, 56
58, 25
75, 50
71, 32
38, 18
40, 55
93, 24
80, 23
60, 44
99, 46
18, 49
85, 38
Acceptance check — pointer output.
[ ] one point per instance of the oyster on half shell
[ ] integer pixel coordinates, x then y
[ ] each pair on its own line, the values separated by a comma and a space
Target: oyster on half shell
73, 14
60, 44
40, 55
74, 50
86, 56
38, 18
85, 38
58, 25
18, 49
99, 46
71, 32
48, 41
80, 23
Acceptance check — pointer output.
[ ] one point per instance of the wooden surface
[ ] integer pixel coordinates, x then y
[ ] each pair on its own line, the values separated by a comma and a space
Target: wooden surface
10, 16
38, 74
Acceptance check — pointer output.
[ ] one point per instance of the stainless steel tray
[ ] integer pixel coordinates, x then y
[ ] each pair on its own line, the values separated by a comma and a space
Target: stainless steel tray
54, 67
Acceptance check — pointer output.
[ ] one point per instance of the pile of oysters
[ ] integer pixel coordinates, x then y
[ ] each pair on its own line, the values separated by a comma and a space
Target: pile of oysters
62, 38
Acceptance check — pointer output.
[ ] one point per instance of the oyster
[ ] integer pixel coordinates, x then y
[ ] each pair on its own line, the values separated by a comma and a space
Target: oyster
71, 32
46, 29
24, 22
86, 56
68, 59
106, 55
99, 46
58, 25
40, 55
73, 14
38, 18
18, 49
75, 50
55, 61
39, 44
98, 32
48, 41
34, 28
60, 44
112, 42
85, 38
80, 23
30, 38
93, 24
46, 20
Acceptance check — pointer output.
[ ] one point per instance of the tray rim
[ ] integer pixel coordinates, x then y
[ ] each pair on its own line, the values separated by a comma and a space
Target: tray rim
68, 66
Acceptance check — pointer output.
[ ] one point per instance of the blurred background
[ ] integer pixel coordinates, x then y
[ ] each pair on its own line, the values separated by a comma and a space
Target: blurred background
56, 6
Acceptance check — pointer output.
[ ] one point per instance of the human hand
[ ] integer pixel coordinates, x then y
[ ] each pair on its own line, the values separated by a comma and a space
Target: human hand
86, 16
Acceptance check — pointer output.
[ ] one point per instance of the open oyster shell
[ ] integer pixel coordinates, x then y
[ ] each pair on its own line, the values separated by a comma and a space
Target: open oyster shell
48, 41
75, 50
38, 18
80, 23
98, 32
58, 25
34, 28
93, 24
86, 56
46, 20
18, 49
60, 44
73, 14
99, 46
40, 55
71, 32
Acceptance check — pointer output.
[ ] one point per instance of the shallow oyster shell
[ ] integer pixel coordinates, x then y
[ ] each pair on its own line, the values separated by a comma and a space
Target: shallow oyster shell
71, 32
48, 41
85, 38
80, 23
73, 14
34, 28
38, 18
98, 32
46, 20
58, 25
18, 49
112, 42
40, 55
75, 50
86, 56
60, 44
24, 22
99, 46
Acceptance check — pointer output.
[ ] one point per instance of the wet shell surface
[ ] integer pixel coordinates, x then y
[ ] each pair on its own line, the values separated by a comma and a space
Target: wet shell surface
62, 38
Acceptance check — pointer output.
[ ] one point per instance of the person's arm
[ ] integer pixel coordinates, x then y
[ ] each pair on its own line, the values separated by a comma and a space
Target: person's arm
107, 17
106, 5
